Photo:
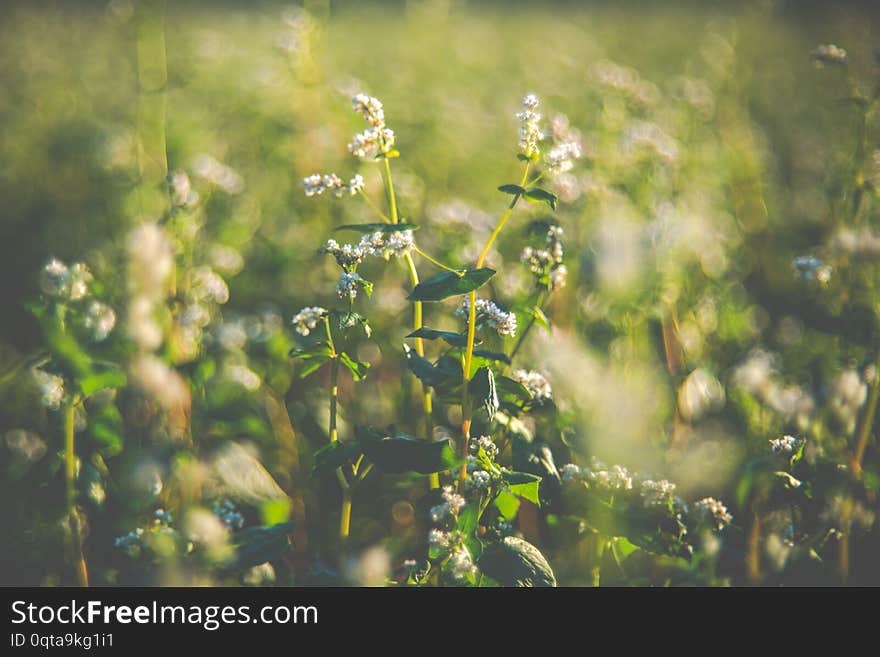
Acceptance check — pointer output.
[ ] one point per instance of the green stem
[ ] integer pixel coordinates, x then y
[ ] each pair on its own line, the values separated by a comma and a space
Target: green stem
345, 511
375, 208
436, 262
598, 551
867, 421
539, 302
472, 329
79, 562
427, 402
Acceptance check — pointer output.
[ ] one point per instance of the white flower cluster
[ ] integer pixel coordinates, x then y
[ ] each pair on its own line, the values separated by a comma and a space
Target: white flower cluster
307, 319
758, 374
489, 447
599, 476
63, 283
100, 320
786, 445
657, 493
535, 383
51, 388
529, 131
151, 262
571, 472
812, 270
451, 505
228, 514
439, 541
714, 510
349, 284
134, 541
829, 54
377, 139
461, 566
317, 184
560, 158
566, 147
215, 172
540, 261
848, 394
379, 244
488, 313
478, 481
182, 193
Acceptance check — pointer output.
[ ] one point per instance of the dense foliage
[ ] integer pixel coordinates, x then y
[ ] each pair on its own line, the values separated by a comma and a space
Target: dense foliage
454, 337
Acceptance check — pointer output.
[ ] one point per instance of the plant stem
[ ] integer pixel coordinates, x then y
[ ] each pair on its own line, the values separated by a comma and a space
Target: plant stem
867, 421
539, 303
598, 551
436, 262
427, 402
472, 329
345, 511
79, 561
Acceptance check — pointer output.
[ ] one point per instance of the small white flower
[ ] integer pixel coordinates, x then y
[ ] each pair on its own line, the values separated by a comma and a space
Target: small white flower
529, 132
560, 158
387, 245
657, 493
571, 472
100, 320
715, 511
348, 286
307, 319
503, 322
451, 505
461, 566
370, 108
55, 279
535, 383
51, 388
786, 445
484, 442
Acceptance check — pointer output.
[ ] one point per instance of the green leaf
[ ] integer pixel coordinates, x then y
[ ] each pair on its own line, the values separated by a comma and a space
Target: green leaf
449, 337
335, 455
377, 228
357, 368
276, 511
258, 545
507, 505
110, 378
512, 189
430, 375
541, 319
482, 388
524, 485
448, 284
312, 359
515, 562
401, 453
538, 195
492, 355
349, 319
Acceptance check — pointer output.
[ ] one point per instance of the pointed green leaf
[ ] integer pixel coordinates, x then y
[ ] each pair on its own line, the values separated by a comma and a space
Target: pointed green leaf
430, 375
449, 337
512, 189
335, 455
401, 453
538, 195
448, 284
524, 485
492, 355
482, 388
515, 562
357, 368
257, 545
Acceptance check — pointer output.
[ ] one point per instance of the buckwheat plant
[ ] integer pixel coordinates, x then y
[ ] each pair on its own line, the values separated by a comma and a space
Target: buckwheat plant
461, 374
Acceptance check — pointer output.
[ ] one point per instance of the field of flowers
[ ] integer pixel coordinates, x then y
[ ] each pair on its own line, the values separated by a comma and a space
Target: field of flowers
439, 294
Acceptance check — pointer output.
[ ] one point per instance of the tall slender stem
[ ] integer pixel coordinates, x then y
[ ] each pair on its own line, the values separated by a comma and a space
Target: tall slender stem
79, 561
472, 329
345, 510
867, 421
539, 303
427, 402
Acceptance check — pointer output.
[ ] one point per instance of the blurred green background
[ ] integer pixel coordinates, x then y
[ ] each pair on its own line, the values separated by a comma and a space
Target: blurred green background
716, 152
